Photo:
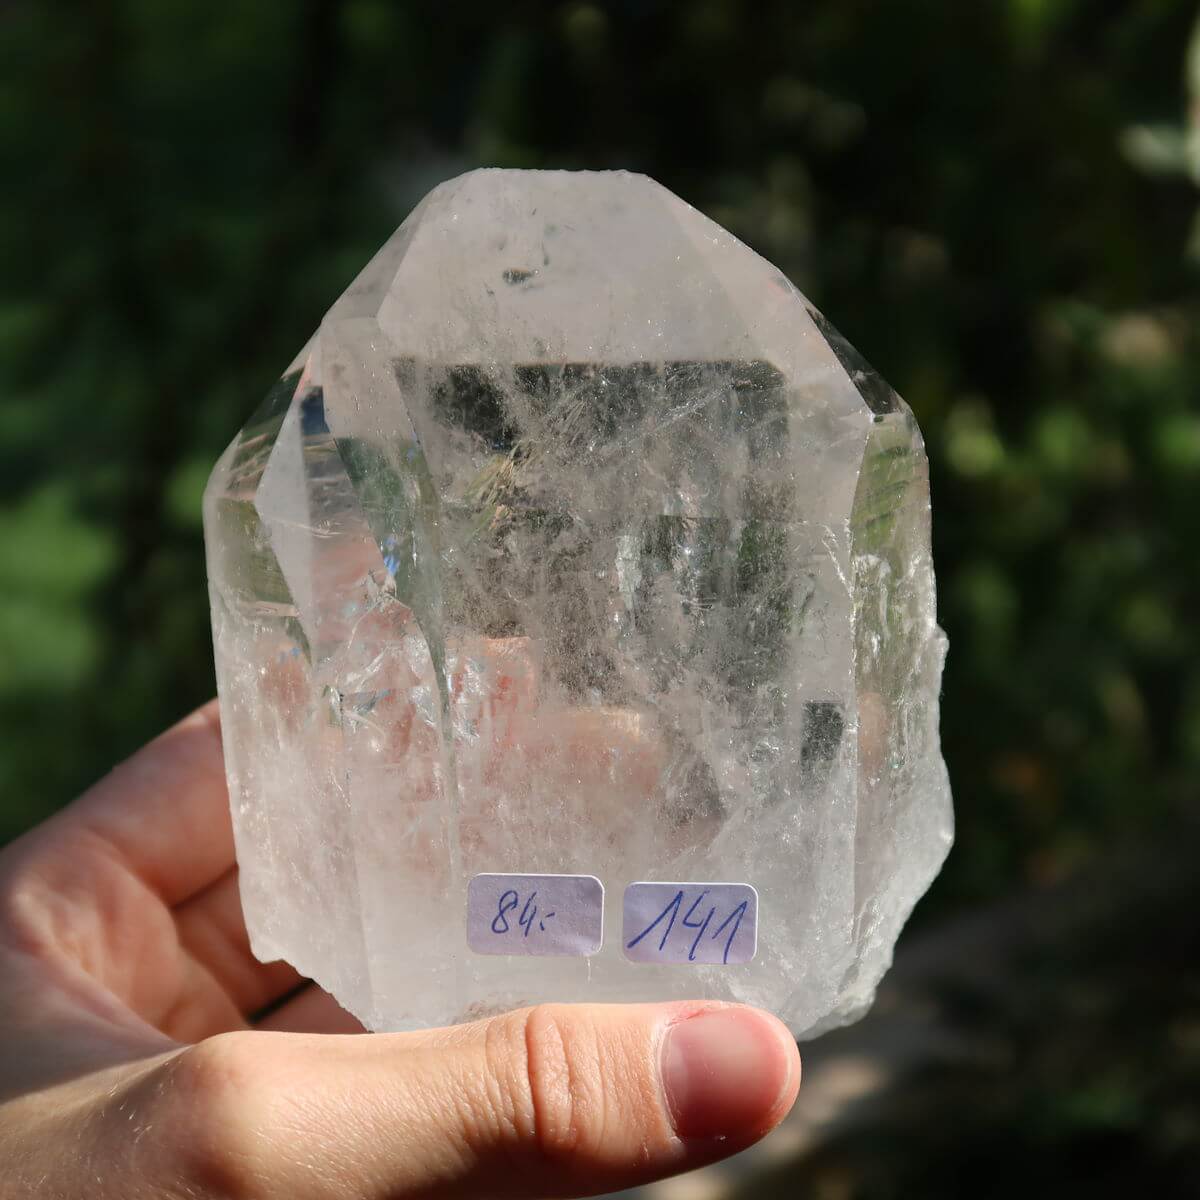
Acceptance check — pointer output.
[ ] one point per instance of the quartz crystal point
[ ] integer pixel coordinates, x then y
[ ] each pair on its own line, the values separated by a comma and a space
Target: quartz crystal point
576, 541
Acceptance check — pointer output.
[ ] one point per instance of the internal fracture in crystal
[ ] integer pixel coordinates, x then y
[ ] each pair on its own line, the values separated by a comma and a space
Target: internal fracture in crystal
576, 541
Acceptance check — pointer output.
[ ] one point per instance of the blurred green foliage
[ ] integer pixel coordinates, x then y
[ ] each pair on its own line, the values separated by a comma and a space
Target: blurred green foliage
991, 200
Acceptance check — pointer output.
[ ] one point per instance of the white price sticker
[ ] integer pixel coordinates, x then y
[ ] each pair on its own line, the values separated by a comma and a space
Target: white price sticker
560, 915
690, 923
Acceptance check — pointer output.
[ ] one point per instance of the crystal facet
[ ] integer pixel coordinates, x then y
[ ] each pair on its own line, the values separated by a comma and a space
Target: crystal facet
576, 542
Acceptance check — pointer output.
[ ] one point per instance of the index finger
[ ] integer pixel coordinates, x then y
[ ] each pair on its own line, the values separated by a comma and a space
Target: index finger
164, 812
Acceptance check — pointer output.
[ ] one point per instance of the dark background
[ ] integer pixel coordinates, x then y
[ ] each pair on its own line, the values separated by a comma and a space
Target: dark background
992, 199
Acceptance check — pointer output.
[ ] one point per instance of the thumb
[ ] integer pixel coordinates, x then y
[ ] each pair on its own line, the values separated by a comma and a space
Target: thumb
558, 1100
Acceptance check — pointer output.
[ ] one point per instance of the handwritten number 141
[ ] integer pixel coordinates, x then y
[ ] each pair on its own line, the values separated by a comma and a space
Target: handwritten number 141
671, 913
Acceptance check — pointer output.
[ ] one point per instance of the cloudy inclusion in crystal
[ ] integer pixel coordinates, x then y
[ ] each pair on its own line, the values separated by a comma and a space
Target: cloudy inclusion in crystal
576, 541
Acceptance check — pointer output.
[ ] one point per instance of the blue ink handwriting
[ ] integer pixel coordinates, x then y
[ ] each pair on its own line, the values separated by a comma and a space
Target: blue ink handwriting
689, 921
529, 913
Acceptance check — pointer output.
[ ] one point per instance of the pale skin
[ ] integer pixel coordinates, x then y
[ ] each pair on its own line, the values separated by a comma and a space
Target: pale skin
134, 1061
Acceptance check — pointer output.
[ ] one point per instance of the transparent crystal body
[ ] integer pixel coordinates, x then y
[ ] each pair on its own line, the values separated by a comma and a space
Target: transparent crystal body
576, 541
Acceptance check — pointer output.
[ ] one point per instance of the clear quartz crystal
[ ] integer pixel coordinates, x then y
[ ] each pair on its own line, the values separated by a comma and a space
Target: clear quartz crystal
576, 541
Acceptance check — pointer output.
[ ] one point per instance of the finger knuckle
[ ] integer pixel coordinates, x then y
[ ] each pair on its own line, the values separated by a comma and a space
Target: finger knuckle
219, 1109
555, 1109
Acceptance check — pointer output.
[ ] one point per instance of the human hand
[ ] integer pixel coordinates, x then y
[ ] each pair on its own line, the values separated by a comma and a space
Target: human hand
132, 1062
